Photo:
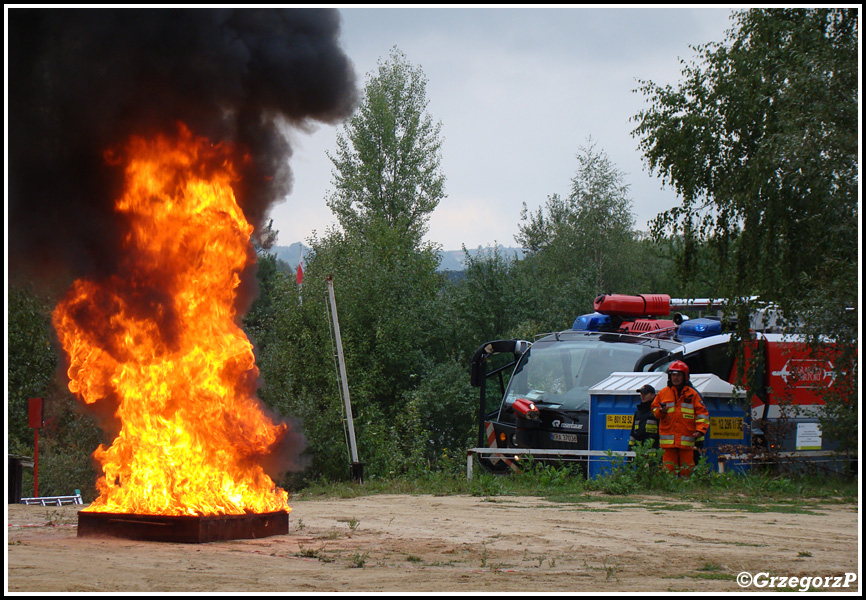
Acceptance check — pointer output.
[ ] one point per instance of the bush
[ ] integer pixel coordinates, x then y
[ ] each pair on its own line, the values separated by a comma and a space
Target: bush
643, 473
437, 421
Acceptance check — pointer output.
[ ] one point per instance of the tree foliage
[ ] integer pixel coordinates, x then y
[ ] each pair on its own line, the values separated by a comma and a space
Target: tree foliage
387, 165
582, 245
591, 225
386, 182
488, 302
760, 140
31, 360
68, 436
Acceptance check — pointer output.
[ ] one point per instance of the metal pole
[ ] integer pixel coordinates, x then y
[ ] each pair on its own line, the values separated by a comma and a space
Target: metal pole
482, 406
352, 447
300, 275
36, 463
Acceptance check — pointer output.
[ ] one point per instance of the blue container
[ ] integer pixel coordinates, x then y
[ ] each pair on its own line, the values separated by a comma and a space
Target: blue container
610, 419
730, 431
613, 403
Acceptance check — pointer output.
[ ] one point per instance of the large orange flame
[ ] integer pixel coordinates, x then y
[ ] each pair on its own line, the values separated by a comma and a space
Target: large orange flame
159, 339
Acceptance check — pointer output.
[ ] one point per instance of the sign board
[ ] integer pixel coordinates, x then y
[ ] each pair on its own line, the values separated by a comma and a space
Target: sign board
726, 428
34, 413
619, 421
808, 436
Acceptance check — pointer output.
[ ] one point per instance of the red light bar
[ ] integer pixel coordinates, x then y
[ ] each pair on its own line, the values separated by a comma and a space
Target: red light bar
644, 305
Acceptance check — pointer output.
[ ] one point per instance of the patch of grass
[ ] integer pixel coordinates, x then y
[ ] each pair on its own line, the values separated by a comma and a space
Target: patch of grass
318, 553
735, 543
666, 506
306, 552
707, 571
609, 570
714, 576
551, 562
750, 492
756, 506
53, 518
442, 563
622, 500
358, 560
352, 523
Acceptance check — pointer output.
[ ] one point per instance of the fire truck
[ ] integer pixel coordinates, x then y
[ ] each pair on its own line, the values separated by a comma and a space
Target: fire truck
545, 384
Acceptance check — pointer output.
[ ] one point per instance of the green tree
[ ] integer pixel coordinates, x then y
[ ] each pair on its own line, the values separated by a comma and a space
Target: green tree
761, 142
438, 422
31, 358
593, 227
298, 372
386, 183
258, 321
486, 303
581, 245
68, 436
387, 172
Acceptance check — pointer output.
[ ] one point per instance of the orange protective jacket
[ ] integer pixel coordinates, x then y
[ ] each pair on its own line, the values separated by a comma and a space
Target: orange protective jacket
682, 416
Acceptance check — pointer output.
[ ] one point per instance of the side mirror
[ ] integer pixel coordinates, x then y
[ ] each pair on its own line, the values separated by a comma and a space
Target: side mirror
478, 370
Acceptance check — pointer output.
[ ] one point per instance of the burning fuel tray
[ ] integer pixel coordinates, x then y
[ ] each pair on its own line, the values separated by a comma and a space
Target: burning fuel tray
183, 529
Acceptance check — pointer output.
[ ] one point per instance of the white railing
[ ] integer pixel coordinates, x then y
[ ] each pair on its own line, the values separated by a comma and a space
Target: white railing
53, 500
516, 453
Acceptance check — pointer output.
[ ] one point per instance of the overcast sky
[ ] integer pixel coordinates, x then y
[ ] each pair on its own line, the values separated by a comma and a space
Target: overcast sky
518, 91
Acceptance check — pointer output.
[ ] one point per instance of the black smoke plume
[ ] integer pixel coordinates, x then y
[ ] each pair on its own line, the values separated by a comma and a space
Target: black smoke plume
81, 81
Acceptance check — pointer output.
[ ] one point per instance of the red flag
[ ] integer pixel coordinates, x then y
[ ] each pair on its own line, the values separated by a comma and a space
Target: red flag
300, 276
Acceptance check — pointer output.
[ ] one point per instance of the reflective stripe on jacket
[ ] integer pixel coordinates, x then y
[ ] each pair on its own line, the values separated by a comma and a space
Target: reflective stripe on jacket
645, 426
687, 420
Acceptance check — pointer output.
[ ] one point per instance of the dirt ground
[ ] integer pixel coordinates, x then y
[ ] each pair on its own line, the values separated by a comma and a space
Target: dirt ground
453, 544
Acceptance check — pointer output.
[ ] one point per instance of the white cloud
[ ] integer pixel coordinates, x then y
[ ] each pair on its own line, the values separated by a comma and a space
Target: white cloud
467, 217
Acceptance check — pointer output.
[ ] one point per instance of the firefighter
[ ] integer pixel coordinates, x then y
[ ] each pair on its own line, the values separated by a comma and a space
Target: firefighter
683, 419
645, 425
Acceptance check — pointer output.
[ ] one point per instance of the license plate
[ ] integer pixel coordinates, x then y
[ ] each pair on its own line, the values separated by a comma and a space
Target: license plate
564, 437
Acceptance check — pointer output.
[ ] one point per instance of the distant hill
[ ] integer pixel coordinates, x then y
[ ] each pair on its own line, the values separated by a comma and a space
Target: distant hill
290, 254
452, 260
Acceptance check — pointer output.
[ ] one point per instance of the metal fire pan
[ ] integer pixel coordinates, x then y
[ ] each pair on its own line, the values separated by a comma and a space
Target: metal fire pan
182, 529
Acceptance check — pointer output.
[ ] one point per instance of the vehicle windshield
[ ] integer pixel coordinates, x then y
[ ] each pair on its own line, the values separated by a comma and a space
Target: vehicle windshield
560, 373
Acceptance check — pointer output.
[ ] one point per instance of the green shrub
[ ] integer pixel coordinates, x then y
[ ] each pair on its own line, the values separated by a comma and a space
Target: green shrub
645, 472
